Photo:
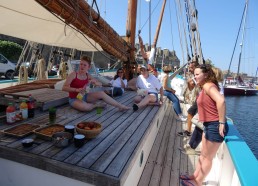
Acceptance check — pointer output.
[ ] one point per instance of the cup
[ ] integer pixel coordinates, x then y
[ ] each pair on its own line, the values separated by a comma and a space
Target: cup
99, 110
52, 115
70, 129
79, 140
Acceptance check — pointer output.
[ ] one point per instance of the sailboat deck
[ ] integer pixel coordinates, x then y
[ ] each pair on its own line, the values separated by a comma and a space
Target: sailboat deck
117, 155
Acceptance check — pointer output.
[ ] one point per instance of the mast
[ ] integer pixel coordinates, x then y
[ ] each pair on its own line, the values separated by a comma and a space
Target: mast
130, 37
243, 36
159, 24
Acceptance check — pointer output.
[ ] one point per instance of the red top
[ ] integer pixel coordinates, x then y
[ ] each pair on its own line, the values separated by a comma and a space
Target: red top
207, 108
78, 83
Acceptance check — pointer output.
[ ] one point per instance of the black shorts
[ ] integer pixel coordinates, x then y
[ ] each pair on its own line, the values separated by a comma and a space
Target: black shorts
193, 109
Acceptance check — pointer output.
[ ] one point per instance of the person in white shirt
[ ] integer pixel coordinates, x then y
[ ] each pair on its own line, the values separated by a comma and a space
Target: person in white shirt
118, 83
151, 86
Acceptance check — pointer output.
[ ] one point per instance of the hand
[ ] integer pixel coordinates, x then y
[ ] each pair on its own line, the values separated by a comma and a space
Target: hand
221, 129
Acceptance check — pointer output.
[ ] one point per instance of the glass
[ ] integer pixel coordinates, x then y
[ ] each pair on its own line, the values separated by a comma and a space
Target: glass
52, 115
99, 110
70, 129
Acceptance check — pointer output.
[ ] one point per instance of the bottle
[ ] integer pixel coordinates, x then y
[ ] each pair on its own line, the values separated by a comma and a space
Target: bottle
10, 114
31, 106
18, 115
24, 109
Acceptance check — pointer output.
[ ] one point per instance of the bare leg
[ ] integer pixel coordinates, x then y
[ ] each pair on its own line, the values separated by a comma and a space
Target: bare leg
93, 97
189, 122
204, 165
147, 99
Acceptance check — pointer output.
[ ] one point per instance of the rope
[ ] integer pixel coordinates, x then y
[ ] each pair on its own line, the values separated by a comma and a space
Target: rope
179, 31
186, 43
23, 75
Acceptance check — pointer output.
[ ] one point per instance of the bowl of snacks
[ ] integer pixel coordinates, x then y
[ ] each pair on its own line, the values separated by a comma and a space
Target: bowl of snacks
62, 139
89, 128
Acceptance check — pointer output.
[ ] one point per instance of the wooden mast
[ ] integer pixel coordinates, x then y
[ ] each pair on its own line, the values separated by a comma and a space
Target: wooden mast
159, 24
81, 16
130, 37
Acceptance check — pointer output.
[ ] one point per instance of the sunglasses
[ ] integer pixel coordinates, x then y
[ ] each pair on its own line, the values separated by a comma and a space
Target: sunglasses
121, 72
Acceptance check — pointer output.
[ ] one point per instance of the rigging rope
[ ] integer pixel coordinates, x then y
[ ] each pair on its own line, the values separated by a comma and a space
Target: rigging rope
171, 30
186, 43
236, 41
179, 31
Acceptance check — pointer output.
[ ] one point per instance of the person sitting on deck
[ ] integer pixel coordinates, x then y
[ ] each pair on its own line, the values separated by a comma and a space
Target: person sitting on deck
170, 93
119, 83
76, 83
150, 86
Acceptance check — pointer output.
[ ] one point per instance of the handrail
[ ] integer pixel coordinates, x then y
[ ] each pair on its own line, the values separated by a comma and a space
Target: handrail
245, 162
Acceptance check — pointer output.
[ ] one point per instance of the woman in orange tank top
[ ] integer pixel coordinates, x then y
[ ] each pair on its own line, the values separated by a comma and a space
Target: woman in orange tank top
76, 83
212, 112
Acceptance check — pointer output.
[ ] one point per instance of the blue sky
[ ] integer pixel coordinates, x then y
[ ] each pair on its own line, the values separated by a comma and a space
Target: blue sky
218, 21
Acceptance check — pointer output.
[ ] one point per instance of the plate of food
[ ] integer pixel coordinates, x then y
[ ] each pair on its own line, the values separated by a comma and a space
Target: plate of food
21, 130
47, 132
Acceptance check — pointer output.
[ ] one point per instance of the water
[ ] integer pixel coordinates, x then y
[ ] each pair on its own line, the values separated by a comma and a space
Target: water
243, 110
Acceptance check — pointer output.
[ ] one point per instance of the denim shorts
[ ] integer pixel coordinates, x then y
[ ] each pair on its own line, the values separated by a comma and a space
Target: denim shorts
211, 131
72, 100
156, 94
193, 109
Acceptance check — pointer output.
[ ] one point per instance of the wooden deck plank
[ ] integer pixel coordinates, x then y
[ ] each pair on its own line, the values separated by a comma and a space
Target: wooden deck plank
147, 173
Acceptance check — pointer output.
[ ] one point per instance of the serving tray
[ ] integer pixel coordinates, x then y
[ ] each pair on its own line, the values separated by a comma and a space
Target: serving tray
20, 130
47, 131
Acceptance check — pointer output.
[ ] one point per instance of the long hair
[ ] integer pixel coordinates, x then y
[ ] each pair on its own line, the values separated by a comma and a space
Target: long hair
211, 77
116, 76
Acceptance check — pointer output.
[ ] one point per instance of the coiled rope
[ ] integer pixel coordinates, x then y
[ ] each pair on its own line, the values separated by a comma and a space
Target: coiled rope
62, 69
23, 75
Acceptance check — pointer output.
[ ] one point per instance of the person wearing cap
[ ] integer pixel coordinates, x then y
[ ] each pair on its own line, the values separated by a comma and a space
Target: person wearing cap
151, 84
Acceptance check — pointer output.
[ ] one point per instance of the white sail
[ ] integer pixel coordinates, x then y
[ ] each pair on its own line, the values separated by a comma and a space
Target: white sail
30, 21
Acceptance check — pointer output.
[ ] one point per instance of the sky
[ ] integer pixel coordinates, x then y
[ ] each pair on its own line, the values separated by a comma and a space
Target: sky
218, 22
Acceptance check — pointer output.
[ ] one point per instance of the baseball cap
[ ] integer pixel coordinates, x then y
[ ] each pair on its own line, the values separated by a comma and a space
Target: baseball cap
143, 67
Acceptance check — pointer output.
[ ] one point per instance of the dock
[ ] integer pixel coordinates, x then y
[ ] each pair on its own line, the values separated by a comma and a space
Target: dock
134, 148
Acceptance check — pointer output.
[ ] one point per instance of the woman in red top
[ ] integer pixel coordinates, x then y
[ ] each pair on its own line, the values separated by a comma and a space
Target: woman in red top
212, 112
76, 83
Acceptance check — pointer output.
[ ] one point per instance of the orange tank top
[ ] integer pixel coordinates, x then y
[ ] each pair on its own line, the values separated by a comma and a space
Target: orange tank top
207, 108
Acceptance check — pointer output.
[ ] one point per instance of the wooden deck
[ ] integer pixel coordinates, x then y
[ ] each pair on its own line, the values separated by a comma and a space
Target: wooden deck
116, 157
166, 162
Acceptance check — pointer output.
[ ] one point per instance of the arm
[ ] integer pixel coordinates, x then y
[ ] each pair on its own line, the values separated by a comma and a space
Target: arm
165, 84
67, 83
94, 81
122, 83
144, 55
213, 92
161, 94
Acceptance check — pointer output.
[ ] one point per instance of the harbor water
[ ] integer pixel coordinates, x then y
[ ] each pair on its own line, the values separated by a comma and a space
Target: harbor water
243, 110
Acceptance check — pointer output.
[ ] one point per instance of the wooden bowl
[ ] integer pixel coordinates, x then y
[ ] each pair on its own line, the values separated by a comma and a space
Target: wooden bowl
89, 128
